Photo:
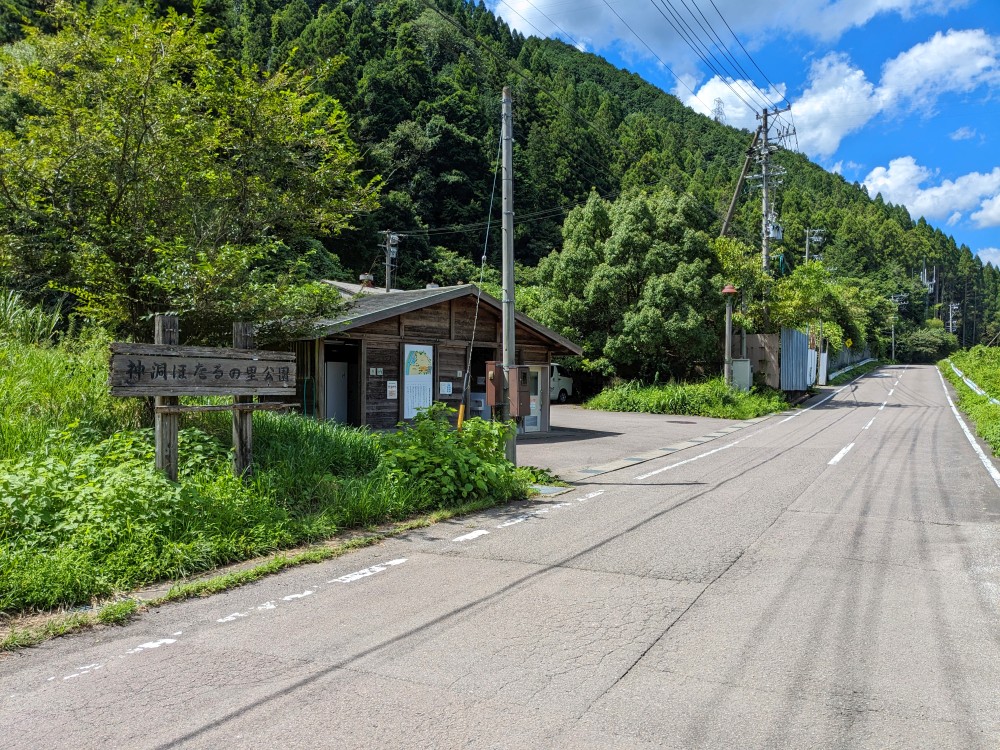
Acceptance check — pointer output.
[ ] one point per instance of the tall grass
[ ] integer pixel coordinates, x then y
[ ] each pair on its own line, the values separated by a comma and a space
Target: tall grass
981, 365
711, 398
84, 513
49, 387
24, 324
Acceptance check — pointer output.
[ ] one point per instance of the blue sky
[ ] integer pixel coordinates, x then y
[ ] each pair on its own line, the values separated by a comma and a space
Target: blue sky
900, 95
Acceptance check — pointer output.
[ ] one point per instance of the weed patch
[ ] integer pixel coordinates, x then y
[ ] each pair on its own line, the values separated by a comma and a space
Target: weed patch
708, 399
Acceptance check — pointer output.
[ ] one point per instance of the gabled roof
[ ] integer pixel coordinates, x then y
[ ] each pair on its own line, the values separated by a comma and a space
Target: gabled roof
371, 308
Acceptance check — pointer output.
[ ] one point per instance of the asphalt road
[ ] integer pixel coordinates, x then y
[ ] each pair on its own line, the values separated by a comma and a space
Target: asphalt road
829, 579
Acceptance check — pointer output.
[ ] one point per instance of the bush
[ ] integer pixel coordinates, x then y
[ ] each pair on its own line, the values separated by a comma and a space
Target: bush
88, 515
711, 398
444, 466
51, 388
925, 345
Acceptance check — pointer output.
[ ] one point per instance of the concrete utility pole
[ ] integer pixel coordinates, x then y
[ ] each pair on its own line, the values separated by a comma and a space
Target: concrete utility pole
739, 185
764, 151
507, 161
391, 250
765, 154
815, 235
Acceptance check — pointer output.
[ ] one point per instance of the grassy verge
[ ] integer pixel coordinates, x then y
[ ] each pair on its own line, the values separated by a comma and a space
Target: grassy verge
857, 372
84, 515
123, 611
984, 415
708, 399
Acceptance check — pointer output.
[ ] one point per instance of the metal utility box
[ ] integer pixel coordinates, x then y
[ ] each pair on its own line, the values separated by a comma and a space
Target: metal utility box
742, 376
520, 391
494, 383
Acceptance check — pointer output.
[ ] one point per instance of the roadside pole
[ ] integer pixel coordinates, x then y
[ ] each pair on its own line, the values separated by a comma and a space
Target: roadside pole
508, 263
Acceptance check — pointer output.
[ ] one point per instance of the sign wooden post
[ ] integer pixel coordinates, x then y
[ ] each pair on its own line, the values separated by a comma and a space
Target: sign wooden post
165, 371
243, 338
166, 331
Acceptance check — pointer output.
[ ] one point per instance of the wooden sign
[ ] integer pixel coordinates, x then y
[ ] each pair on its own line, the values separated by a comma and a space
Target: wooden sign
167, 370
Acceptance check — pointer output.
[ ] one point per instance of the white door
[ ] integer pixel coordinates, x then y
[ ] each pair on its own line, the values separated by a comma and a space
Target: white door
533, 421
336, 391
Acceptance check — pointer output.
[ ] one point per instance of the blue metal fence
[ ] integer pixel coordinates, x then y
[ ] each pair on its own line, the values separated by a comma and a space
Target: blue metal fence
794, 360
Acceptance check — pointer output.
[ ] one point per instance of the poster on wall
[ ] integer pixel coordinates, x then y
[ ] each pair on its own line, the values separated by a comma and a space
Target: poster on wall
418, 378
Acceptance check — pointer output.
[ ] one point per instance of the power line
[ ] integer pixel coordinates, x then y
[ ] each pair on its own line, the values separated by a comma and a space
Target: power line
749, 56
693, 42
588, 124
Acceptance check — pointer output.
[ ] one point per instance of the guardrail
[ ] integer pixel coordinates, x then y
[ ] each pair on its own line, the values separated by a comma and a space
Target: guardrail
850, 367
972, 385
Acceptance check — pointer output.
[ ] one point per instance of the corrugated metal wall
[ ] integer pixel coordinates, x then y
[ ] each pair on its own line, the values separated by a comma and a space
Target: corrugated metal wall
794, 360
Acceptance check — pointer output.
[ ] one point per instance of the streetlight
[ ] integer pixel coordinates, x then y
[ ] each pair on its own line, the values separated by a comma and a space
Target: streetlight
729, 290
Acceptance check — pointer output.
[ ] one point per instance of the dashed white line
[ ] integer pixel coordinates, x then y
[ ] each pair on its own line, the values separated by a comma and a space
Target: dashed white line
510, 522
843, 452
358, 575
152, 645
471, 535
869, 423
232, 618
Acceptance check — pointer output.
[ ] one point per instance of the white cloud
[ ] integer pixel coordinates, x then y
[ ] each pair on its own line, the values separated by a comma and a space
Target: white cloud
839, 101
902, 182
956, 61
602, 25
752, 22
964, 133
737, 113
988, 214
990, 255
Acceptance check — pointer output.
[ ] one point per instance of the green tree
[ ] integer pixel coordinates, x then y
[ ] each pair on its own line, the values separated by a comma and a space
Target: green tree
146, 173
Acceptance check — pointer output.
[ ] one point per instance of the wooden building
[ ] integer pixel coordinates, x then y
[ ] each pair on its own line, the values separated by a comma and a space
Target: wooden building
389, 354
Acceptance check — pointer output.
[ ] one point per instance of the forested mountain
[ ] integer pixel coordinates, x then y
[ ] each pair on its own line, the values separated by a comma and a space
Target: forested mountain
618, 186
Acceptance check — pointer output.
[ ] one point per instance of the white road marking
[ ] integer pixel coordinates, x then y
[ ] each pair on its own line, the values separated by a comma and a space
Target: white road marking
843, 452
590, 496
232, 618
511, 522
358, 575
990, 468
303, 595
883, 405
470, 536
153, 644
649, 474
266, 606
897, 382
891, 391
869, 423
747, 437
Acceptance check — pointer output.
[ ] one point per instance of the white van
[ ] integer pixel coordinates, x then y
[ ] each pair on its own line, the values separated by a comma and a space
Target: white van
560, 385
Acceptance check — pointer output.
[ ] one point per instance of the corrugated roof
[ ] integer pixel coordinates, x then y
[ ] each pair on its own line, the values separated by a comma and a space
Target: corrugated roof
371, 308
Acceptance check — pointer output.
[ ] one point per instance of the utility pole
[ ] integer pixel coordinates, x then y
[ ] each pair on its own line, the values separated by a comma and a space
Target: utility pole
765, 157
739, 184
764, 151
391, 250
507, 160
815, 235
